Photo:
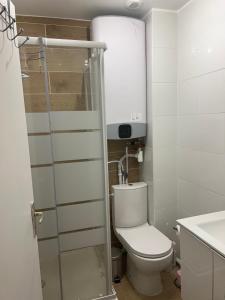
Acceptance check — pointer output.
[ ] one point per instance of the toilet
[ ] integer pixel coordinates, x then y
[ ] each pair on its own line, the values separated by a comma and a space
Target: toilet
148, 250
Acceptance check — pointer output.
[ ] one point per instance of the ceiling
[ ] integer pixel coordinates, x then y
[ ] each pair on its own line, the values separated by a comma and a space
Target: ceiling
87, 9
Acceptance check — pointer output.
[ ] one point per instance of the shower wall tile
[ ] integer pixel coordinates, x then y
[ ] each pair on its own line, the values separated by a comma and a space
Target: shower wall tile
75, 120
56, 21
35, 84
40, 149
66, 60
67, 32
80, 181
32, 29
43, 187
27, 63
48, 227
37, 122
66, 82
81, 216
35, 103
79, 145
82, 239
68, 102
59, 60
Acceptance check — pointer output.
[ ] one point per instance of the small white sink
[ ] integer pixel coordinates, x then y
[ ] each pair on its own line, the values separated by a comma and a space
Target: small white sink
209, 228
215, 228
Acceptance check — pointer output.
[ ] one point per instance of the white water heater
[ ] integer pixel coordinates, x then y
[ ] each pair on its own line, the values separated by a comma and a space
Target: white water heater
125, 74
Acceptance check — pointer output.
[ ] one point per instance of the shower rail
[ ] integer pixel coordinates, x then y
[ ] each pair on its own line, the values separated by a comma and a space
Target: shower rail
63, 43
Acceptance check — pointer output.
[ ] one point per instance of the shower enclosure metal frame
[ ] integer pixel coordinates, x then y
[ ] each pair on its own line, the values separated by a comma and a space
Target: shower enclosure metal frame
44, 42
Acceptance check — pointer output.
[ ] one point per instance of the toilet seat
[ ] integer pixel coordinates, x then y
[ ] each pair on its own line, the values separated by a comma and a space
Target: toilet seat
145, 241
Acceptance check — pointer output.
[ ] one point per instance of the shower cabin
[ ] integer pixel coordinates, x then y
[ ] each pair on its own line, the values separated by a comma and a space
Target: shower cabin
64, 101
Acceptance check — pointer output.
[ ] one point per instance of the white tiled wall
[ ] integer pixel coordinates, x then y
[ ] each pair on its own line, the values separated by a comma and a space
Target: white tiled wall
162, 116
201, 108
186, 111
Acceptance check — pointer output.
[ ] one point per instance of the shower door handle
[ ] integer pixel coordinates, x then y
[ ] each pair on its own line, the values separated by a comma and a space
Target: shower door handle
37, 216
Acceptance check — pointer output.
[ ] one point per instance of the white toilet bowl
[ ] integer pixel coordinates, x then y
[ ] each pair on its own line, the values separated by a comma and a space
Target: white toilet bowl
144, 273
149, 253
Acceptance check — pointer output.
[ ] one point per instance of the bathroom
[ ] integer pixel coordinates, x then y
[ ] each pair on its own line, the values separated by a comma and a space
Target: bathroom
113, 150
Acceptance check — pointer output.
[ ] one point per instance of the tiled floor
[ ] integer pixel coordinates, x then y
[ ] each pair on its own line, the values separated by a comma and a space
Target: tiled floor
125, 291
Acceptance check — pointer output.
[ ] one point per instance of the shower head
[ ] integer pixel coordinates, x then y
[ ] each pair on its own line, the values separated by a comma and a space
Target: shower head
24, 75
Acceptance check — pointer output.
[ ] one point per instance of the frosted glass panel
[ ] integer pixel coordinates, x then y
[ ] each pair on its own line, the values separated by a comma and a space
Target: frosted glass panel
75, 146
78, 181
64, 123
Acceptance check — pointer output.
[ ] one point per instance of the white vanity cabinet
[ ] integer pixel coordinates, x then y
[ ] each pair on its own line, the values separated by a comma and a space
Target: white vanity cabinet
197, 268
219, 277
203, 269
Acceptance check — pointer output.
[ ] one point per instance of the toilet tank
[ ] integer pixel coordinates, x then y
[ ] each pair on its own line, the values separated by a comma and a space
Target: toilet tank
129, 204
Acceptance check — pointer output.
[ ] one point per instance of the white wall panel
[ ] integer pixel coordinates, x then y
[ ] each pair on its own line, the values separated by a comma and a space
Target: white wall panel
79, 181
82, 239
79, 216
164, 65
43, 187
197, 200
165, 29
165, 99
75, 146
201, 107
162, 119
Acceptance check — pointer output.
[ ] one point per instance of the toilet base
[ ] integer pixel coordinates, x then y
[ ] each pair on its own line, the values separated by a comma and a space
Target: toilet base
149, 285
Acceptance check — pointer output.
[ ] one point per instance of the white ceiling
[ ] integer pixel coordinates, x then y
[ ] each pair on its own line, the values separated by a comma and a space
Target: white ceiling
87, 9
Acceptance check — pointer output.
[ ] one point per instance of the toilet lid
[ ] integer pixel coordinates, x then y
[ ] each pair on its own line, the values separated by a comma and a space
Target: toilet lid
145, 241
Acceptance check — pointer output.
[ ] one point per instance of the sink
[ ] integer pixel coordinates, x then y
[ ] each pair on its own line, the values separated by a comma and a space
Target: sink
215, 228
209, 228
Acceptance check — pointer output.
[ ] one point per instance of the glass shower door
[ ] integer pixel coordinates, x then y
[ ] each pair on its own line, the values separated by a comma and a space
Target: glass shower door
74, 237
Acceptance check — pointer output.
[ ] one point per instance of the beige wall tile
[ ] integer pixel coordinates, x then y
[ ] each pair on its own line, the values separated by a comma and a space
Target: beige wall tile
44, 20
133, 175
67, 32
29, 58
61, 59
32, 29
35, 84
67, 102
35, 103
66, 82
